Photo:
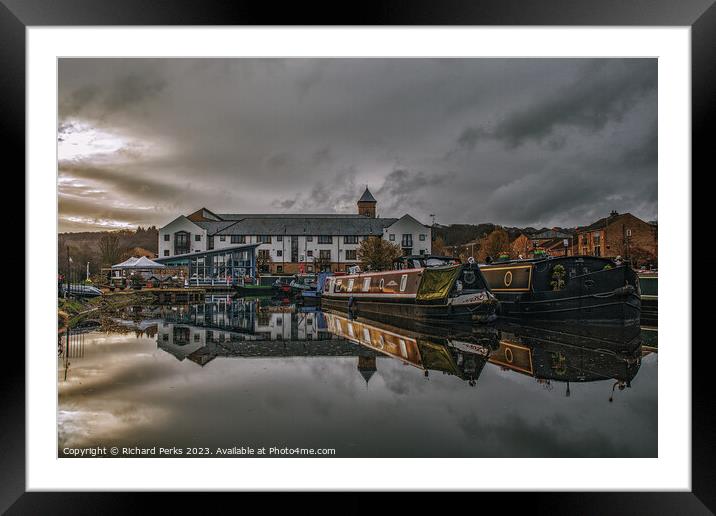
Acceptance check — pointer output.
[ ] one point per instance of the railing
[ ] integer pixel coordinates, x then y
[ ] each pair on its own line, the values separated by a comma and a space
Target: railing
72, 281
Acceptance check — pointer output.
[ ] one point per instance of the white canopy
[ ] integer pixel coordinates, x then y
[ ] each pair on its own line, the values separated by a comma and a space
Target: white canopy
126, 263
139, 263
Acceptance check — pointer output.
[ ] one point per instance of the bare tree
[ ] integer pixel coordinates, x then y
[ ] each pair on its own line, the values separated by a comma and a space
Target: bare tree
109, 249
321, 263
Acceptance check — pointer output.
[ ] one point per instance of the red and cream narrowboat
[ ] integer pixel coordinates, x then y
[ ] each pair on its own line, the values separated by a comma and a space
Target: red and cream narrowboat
423, 288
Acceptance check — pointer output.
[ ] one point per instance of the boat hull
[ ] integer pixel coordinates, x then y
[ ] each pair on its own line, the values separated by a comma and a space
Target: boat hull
606, 297
406, 311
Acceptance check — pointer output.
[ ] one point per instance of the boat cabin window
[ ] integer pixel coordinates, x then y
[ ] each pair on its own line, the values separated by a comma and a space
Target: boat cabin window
350, 285
403, 282
366, 285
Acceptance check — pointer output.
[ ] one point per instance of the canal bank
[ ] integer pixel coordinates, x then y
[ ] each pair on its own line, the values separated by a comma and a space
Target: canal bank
72, 312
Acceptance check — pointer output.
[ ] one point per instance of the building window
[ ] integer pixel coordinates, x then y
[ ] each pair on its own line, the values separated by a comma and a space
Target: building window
407, 240
263, 239
309, 239
325, 239
166, 252
210, 242
197, 237
392, 237
351, 254
222, 238
350, 239
279, 253
166, 237
279, 268
422, 238
597, 244
422, 251
238, 239
325, 254
309, 254
279, 238
181, 242
628, 232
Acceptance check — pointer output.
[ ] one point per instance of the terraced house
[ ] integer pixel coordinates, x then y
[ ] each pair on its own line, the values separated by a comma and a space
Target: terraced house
619, 235
293, 243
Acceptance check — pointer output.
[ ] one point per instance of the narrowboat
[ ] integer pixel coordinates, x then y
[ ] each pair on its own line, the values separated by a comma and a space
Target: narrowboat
299, 284
420, 288
570, 289
313, 294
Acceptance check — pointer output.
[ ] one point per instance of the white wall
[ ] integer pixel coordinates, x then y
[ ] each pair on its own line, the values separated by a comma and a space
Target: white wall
405, 225
181, 224
337, 248
408, 225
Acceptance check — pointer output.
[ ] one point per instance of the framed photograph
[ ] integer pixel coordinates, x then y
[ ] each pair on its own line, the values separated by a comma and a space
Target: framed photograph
417, 250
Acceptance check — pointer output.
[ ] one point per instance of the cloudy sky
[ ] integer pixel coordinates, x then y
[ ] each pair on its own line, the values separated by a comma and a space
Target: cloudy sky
539, 142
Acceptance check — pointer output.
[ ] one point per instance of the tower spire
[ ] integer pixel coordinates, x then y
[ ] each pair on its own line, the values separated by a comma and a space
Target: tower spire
367, 204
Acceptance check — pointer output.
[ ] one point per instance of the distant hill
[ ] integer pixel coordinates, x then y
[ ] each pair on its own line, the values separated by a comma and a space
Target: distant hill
84, 246
459, 234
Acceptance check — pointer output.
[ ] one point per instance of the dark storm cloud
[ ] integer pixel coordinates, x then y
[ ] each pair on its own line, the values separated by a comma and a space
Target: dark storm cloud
601, 94
512, 141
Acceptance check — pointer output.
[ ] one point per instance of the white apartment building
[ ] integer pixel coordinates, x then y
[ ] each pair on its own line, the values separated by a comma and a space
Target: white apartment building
294, 243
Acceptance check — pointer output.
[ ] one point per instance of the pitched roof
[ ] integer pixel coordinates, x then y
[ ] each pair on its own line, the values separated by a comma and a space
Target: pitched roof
213, 227
550, 233
410, 217
307, 225
138, 263
367, 196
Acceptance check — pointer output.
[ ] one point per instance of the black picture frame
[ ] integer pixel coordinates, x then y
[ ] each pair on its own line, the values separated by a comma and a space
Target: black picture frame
700, 15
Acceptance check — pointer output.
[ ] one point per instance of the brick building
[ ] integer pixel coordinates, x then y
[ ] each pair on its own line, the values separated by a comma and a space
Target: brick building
619, 235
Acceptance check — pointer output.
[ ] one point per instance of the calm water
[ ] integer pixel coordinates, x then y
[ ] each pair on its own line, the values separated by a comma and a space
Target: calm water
233, 374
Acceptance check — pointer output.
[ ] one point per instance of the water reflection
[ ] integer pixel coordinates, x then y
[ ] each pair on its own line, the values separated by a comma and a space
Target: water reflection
144, 375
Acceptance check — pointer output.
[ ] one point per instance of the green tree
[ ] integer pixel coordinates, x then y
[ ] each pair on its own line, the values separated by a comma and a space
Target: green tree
377, 254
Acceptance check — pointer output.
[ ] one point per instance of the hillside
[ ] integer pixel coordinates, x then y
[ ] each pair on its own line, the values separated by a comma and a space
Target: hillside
458, 234
85, 247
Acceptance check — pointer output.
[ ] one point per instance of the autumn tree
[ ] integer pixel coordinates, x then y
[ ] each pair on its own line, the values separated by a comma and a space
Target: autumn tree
377, 254
641, 257
109, 250
263, 261
439, 247
495, 244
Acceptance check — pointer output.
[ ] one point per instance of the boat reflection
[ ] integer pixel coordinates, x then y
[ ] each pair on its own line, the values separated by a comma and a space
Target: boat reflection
550, 355
460, 353
257, 328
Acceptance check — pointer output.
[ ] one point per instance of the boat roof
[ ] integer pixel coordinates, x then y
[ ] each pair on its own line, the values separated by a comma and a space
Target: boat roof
424, 257
545, 259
